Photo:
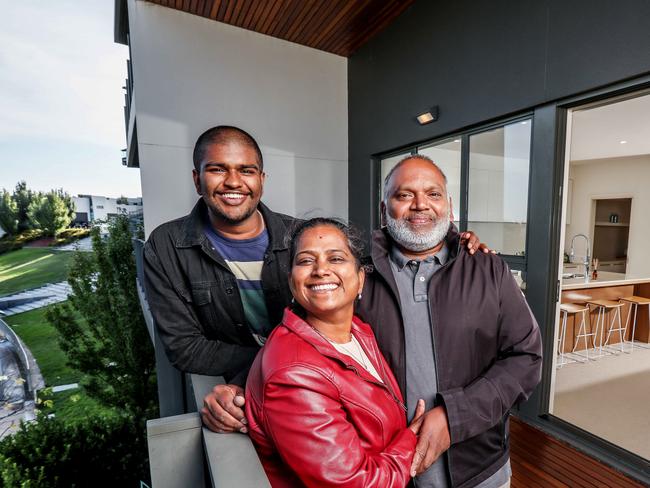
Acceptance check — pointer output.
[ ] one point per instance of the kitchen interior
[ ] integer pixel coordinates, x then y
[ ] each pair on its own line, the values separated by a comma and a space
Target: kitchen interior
602, 363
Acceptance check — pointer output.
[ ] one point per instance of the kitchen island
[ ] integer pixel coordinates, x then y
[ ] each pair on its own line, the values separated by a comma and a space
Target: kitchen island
608, 286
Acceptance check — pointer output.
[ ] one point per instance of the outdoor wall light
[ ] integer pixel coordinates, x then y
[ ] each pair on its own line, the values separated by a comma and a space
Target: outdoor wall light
429, 116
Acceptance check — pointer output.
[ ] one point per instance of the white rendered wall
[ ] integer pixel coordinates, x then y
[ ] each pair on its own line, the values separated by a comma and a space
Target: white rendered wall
102, 206
192, 73
82, 204
613, 178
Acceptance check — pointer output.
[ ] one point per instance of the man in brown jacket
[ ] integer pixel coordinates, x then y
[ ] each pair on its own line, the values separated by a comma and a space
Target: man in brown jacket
456, 330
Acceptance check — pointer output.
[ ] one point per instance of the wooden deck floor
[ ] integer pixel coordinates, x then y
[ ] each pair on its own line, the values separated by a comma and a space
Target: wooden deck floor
540, 461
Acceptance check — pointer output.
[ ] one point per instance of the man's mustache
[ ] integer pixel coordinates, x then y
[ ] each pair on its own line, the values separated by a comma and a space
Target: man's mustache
420, 215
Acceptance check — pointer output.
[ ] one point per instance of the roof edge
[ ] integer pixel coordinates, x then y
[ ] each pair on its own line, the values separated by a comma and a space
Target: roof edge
121, 22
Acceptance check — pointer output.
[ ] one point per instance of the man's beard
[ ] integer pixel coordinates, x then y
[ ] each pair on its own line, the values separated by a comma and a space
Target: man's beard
411, 240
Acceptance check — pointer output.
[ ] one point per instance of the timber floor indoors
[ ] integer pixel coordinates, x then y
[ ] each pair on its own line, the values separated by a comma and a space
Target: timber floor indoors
540, 461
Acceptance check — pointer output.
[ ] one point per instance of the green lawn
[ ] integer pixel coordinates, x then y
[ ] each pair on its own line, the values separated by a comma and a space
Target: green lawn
41, 338
32, 267
73, 405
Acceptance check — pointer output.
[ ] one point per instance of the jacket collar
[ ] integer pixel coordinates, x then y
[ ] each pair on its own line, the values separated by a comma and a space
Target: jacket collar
194, 235
360, 329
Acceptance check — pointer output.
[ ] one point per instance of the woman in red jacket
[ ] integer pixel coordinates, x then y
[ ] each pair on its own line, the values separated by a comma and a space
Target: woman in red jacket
323, 407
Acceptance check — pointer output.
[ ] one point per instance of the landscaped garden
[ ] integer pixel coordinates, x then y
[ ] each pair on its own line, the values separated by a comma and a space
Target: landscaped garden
96, 340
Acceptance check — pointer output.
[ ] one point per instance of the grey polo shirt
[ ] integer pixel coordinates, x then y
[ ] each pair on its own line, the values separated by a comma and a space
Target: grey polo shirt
412, 278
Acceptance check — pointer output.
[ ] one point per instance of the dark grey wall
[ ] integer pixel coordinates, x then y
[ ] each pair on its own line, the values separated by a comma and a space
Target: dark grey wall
480, 60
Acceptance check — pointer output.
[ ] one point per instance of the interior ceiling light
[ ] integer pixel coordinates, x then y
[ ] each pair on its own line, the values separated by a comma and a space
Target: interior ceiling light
429, 116
623, 142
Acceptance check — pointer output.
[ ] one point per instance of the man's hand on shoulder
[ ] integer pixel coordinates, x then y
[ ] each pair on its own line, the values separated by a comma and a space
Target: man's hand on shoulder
473, 243
222, 410
433, 440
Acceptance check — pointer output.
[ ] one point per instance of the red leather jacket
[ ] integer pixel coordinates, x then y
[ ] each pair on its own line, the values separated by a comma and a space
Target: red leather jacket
318, 418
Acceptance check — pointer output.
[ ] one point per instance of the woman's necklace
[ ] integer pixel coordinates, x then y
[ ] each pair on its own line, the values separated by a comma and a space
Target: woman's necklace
352, 349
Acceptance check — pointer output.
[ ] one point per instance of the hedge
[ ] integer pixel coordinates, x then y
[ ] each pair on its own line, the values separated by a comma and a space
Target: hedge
97, 451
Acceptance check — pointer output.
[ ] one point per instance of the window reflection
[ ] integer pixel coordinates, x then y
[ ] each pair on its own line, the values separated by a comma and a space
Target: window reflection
499, 163
386, 165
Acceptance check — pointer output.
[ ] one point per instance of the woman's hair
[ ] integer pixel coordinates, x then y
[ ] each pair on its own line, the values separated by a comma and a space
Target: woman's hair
352, 236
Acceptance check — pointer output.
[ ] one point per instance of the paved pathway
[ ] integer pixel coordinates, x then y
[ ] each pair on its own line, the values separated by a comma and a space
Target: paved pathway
36, 298
10, 419
84, 244
71, 386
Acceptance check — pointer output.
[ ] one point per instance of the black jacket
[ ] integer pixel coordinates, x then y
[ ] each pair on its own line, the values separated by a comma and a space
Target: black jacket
195, 301
487, 348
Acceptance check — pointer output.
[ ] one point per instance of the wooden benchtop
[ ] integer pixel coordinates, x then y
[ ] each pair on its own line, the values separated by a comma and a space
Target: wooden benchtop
604, 279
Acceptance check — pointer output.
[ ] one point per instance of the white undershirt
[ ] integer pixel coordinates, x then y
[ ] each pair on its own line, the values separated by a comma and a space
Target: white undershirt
354, 350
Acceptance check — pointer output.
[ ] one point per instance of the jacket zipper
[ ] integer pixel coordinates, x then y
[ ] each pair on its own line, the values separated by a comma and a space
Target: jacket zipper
385, 386
378, 383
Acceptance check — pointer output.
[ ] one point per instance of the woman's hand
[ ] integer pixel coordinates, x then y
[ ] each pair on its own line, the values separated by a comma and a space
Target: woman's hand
416, 423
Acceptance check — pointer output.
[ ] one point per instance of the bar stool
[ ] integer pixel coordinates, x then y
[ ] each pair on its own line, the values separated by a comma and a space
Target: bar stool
574, 309
635, 301
604, 307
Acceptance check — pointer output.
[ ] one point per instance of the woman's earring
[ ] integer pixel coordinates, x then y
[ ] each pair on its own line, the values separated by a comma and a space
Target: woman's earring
359, 297
293, 301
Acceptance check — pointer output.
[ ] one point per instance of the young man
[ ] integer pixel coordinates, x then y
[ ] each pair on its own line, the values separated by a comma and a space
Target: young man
217, 278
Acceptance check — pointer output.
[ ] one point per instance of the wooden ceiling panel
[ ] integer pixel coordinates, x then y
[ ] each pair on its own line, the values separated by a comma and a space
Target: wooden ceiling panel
336, 26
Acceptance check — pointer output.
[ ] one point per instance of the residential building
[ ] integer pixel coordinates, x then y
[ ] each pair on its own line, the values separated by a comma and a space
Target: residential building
89, 208
537, 112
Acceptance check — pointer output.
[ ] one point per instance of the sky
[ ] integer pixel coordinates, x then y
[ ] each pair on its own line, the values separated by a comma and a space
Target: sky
61, 98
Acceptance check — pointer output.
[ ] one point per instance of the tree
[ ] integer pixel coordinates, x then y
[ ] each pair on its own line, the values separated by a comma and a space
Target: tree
8, 213
50, 212
23, 198
102, 329
69, 203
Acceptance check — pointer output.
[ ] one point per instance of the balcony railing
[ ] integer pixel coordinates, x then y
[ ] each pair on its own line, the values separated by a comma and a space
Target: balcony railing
180, 448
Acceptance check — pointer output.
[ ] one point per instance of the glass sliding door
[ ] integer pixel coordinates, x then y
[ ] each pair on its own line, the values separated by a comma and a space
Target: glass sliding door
497, 200
601, 367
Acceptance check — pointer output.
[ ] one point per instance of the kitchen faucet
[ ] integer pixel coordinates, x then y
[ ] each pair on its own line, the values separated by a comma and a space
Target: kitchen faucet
587, 261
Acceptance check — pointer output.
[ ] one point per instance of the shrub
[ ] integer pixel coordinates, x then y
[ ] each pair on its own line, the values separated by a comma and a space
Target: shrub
28, 235
70, 235
7, 245
98, 451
